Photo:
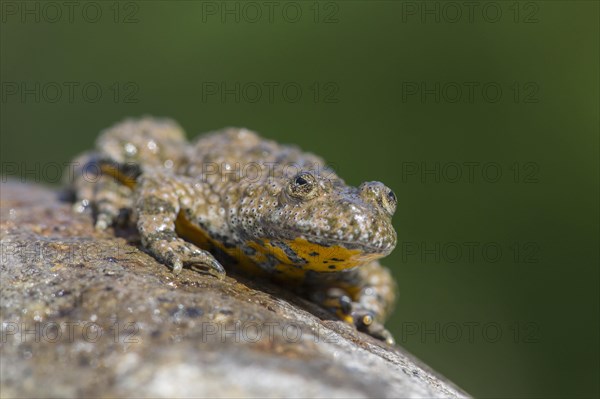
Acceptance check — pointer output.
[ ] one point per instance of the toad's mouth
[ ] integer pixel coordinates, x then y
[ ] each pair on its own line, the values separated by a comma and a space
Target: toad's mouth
376, 236
327, 242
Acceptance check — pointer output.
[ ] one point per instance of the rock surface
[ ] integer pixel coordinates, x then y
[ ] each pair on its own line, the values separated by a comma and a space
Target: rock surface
86, 313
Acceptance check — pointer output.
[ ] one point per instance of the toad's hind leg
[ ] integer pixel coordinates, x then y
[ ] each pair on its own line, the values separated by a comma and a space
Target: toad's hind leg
81, 183
160, 198
363, 297
109, 198
113, 202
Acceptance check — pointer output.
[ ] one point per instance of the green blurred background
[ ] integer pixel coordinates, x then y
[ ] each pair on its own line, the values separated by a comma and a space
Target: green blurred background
498, 275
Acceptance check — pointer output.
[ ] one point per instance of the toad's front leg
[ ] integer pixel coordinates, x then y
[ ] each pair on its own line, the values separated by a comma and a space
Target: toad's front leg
160, 199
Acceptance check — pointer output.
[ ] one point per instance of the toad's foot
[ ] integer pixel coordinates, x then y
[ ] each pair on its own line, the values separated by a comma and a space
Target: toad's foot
351, 312
177, 253
364, 320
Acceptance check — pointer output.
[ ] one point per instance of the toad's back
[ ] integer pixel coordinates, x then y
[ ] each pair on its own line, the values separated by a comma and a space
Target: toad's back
236, 154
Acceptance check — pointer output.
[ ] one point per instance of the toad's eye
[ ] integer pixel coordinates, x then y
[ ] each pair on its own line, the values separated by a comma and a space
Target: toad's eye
303, 186
390, 202
300, 181
392, 197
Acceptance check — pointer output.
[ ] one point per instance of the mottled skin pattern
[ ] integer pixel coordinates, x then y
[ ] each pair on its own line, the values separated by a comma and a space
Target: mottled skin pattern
234, 198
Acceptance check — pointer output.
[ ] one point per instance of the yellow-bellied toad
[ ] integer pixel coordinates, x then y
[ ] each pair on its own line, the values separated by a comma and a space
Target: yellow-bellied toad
234, 198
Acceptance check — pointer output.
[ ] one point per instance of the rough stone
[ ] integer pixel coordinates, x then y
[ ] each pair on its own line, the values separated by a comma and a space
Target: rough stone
87, 313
